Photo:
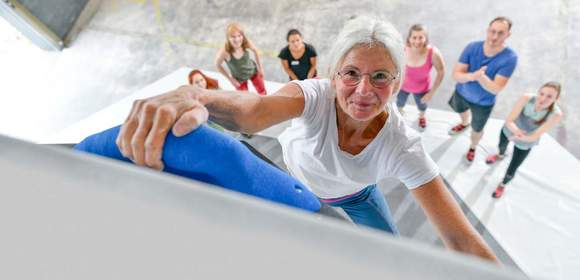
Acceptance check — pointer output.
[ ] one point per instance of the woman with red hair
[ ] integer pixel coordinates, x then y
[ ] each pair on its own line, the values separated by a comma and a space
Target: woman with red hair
197, 78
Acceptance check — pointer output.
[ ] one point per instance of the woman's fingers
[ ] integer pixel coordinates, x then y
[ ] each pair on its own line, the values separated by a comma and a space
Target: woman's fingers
143, 134
163, 121
190, 120
146, 117
128, 129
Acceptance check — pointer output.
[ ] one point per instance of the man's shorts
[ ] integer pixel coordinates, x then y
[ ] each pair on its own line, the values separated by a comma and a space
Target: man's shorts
479, 113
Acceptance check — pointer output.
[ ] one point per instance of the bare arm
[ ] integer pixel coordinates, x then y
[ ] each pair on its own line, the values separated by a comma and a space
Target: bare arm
252, 113
546, 126
257, 57
460, 73
219, 61
510, 121
142, 135
288, 70
439, 66
453, 227
312, 71
493, 86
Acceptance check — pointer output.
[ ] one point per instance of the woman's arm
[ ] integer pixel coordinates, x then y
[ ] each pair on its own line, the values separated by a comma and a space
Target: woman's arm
510, 121
257, 57
288, 70
142, 135
545, 127
453, 227
439, 66
313, 65
219, 60
251, 113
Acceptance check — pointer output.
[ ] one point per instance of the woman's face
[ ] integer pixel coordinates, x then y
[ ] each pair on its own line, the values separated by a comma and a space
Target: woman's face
365, 100
295, 42
546, 97
199, 81
236, 39
417, 39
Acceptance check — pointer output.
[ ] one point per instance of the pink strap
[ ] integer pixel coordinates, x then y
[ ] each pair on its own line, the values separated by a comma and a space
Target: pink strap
430, 56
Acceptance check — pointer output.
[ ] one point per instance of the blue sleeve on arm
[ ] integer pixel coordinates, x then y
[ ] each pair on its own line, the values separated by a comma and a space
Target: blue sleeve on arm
213, 157
508, 69
466, 53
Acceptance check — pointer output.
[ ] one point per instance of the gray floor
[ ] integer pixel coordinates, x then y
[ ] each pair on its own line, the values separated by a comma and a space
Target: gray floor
129, 44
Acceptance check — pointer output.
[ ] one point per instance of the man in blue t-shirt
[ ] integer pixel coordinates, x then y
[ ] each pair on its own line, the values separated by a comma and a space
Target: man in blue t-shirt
482, 72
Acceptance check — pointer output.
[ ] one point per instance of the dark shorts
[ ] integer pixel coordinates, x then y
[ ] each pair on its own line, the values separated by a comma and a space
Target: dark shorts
479, 113
402, 99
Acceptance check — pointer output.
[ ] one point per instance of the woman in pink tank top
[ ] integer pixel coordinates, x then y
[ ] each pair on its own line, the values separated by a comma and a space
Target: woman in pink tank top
421, 57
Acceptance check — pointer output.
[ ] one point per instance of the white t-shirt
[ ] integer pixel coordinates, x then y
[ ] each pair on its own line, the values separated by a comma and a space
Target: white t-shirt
311, 152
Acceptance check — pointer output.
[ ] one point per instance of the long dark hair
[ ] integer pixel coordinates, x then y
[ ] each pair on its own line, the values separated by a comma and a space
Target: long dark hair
558, 87
291, 32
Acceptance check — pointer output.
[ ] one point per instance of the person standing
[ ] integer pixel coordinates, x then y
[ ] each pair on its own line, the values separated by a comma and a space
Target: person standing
236, 54
482, 72
298, 58
531, 117
421, 58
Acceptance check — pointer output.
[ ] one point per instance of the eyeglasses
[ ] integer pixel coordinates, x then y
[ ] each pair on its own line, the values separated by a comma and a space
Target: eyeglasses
378, 79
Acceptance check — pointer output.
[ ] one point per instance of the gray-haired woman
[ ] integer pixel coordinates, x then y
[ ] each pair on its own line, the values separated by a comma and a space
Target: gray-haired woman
345, 136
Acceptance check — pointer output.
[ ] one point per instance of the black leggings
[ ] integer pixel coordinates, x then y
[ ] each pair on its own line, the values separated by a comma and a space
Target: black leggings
517, 158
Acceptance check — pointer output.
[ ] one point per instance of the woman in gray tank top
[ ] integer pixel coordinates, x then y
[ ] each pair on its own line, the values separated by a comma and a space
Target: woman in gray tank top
531, 117
236, 55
